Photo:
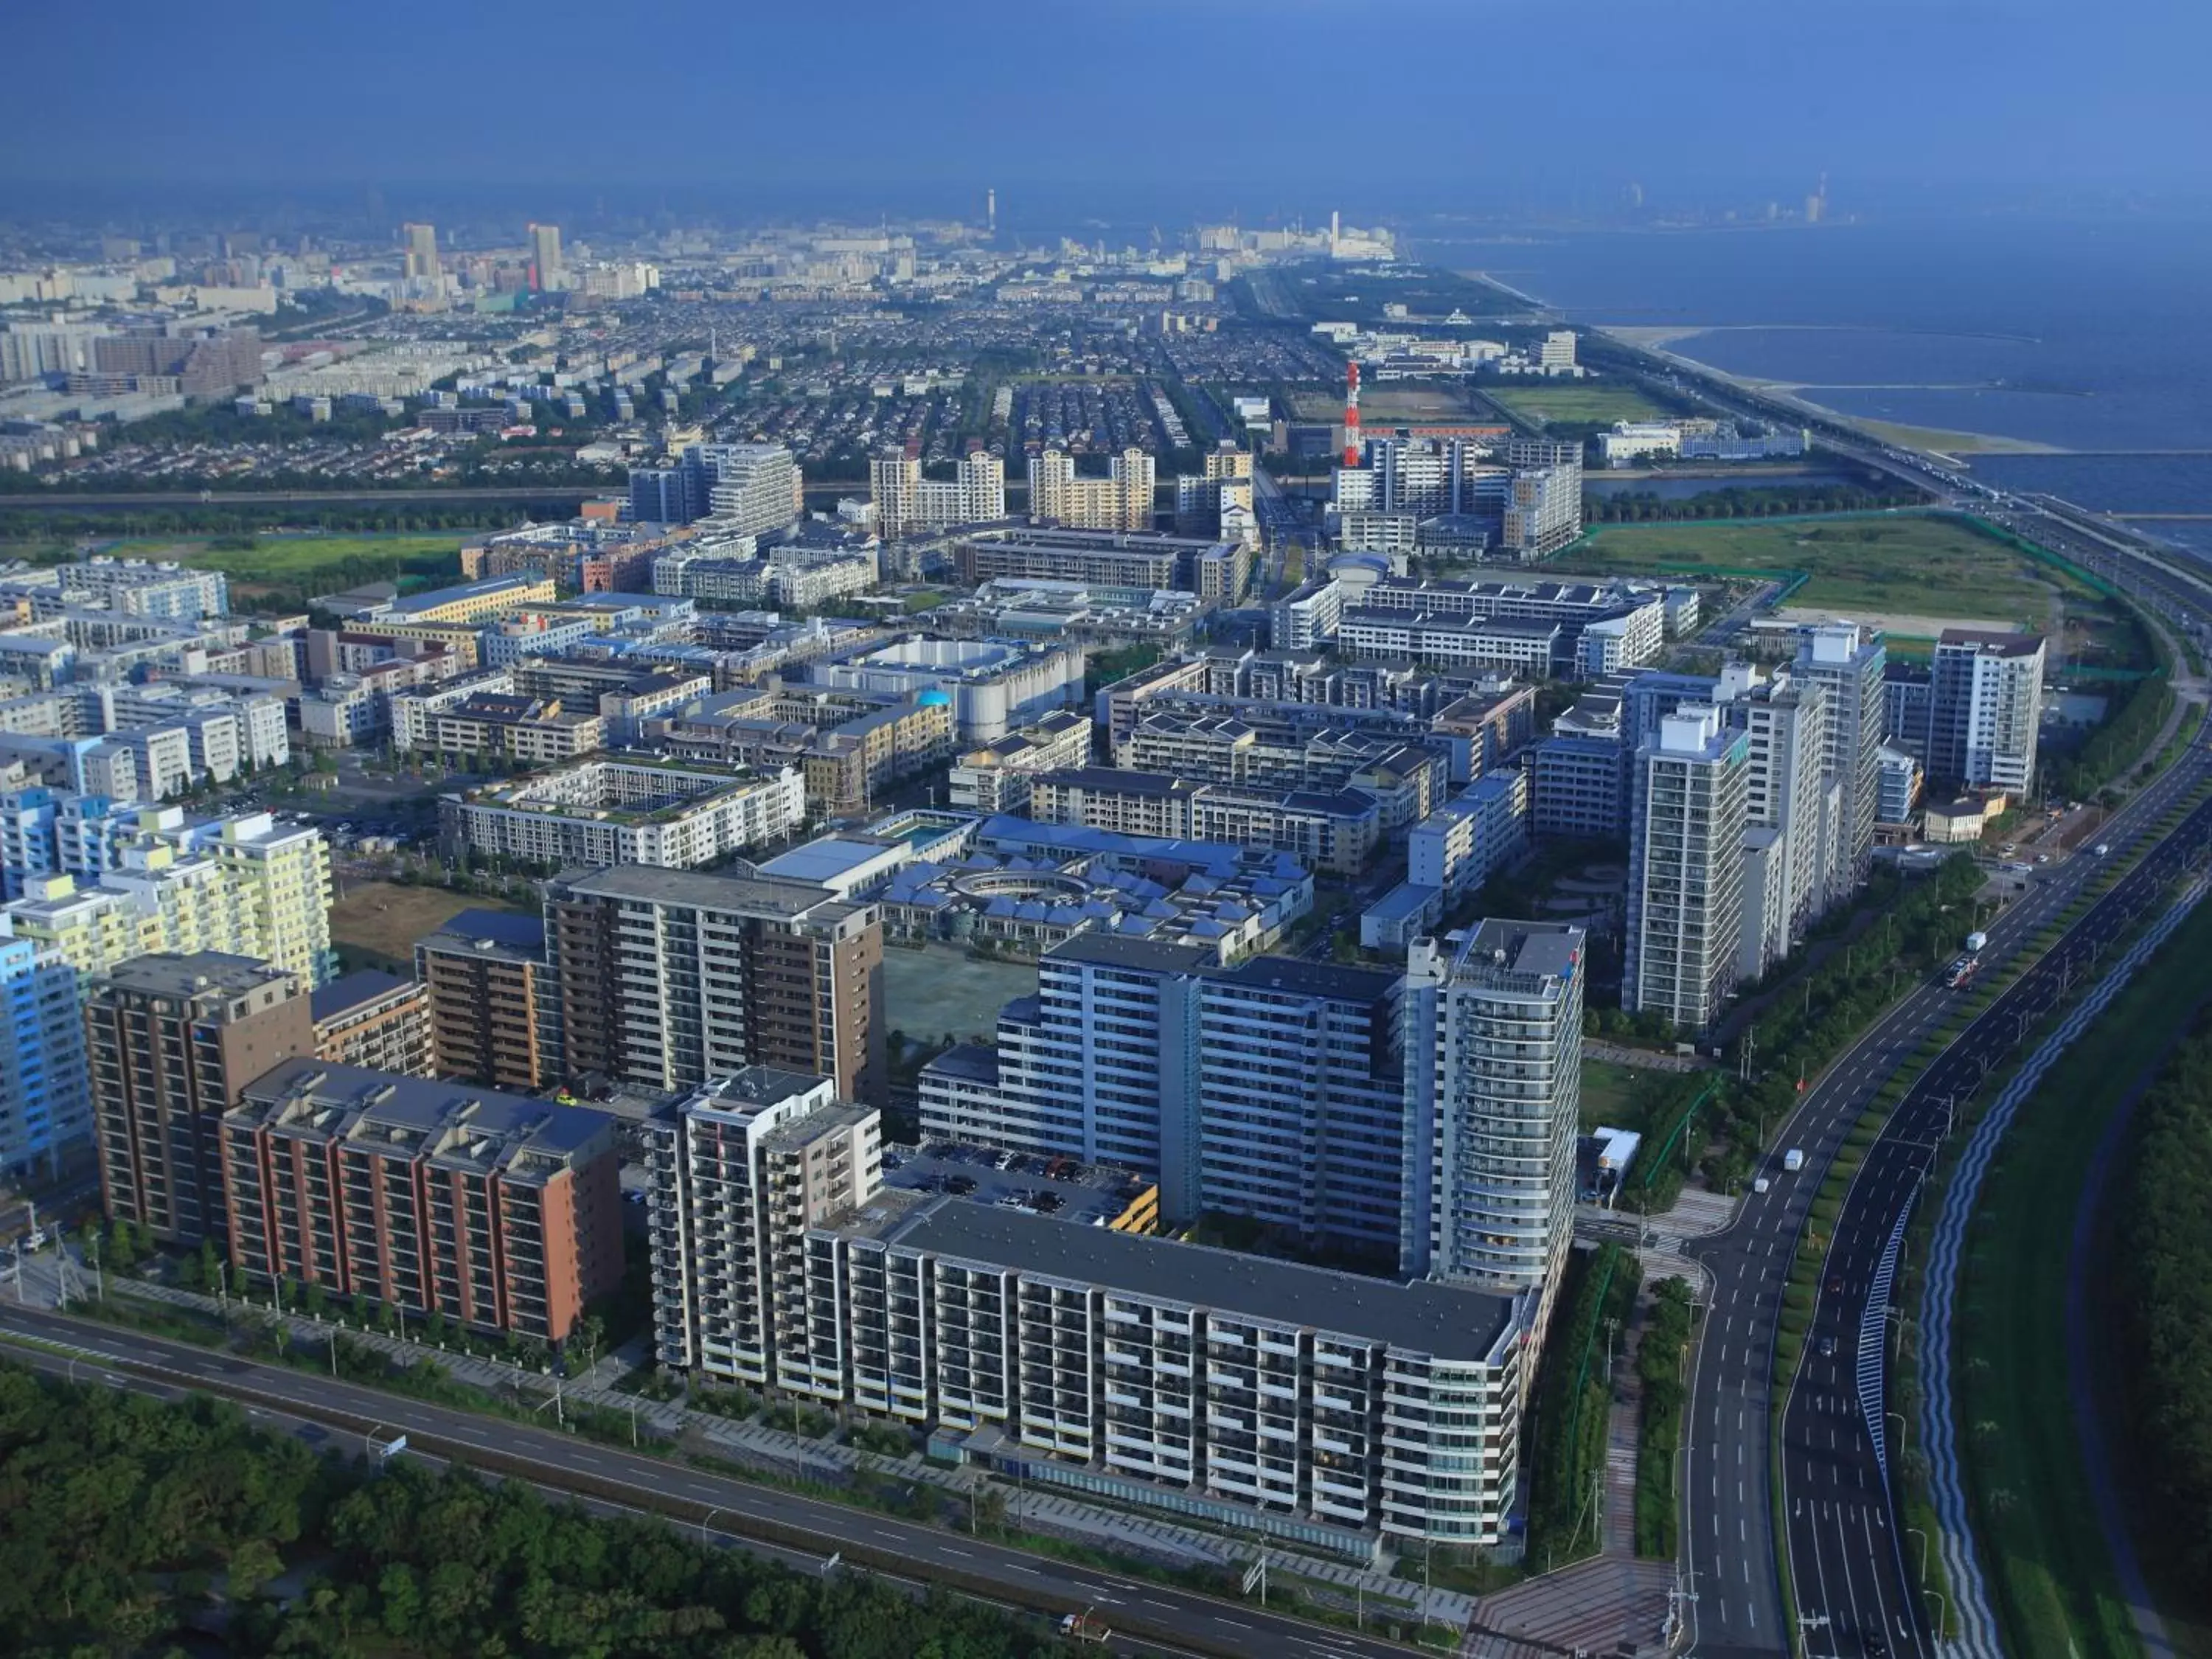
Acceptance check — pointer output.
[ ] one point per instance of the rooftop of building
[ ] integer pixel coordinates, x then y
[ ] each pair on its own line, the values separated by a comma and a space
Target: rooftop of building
828, 859
457, 1124
505, 934
192, 973
352, 992
1422, 1317
489, 587
1990, 643
699, 889
1082, 1194
1116, 780
1548, 949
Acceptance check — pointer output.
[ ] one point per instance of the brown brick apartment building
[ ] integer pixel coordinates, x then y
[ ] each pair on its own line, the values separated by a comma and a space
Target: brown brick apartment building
492, 1209
667, 978
170, 1040
484, 974
373, 1019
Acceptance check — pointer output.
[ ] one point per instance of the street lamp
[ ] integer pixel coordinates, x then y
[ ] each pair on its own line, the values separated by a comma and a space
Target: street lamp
1917, 1532
703, 1520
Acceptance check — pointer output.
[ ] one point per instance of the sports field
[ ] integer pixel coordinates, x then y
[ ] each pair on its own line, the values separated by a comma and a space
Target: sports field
1600, 405
1877, 564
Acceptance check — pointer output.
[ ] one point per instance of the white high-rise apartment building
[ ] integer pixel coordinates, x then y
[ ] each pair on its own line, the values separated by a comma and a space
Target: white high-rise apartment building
750, 489
1494, 1092
1265, 1394
1846, 661
906, 501
1269, 1088
1120, 501
736, 1174
1685, 861
1987, 707
1790, 805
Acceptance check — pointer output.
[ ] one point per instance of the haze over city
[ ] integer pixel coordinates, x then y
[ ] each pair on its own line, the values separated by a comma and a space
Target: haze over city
1156, 828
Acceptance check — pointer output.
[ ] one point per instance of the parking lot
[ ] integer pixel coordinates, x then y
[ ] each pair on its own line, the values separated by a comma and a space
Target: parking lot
1059, 1187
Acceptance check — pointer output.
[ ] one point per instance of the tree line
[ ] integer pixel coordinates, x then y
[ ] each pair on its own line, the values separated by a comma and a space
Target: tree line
2165, 1206
1643, 506
133, 1525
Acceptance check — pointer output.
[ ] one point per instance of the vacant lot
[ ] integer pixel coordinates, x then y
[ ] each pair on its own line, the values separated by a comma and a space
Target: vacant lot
1381, 404
308, 564
941, 991
384, 919
1581, 405
1875, 565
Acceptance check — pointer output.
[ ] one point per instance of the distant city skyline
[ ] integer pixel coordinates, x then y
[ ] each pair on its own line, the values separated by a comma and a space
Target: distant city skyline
1587, 100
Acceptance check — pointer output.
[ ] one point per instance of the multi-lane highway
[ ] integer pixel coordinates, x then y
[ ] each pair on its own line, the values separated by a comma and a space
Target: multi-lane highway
1845, 1559
1147, 1618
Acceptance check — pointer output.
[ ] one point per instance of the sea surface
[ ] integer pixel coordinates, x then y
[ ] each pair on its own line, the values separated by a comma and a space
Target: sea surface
2090, 336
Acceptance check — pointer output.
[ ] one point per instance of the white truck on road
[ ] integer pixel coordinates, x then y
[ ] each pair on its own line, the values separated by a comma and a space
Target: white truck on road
1793, 1160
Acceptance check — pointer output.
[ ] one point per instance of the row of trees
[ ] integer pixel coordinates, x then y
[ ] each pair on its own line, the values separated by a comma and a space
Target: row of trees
2166, 1207
1573, 1400
1746, 501
132, 1525
1661, 1364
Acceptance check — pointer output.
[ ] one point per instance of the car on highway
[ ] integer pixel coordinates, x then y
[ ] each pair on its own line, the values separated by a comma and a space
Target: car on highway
1827, 1347
1835, 1284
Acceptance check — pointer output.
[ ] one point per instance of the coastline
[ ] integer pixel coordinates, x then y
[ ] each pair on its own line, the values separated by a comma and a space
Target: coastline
1945, 443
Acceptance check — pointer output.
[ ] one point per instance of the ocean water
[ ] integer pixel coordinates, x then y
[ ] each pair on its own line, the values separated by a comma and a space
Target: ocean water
2090, 336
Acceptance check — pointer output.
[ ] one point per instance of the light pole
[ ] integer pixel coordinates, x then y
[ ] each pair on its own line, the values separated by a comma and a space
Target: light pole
1917, 1532
1942, 1612
703, 1520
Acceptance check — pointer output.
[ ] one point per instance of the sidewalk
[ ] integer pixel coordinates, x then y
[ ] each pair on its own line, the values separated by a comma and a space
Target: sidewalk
1613, 1603
759, 1444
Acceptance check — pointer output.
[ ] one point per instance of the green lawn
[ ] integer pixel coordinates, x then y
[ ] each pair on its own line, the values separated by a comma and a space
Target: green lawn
299, 567
1610, 1096
1597, 405
1904, 564
2039, 1538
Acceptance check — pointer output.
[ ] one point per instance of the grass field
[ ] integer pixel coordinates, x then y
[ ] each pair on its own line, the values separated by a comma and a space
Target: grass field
1878, 564
1600, 405
384, 919
315, 564
2053, 1577
1609, 1094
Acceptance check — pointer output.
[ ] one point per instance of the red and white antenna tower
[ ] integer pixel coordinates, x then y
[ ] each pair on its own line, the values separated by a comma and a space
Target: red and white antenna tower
1351, 455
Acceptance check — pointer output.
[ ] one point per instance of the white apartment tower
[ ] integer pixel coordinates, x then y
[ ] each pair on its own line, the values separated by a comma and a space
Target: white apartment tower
1987, 704
1493, 1091
736, 1174
1846, 661
1685, 861
750, 489
1790, 805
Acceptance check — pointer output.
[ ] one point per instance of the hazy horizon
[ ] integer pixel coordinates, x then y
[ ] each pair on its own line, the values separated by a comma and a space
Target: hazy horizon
1457, 106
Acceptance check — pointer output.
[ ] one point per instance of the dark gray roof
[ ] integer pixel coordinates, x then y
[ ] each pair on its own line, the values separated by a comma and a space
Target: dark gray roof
970, 1061
448, 1120
1117, 780
698, 888
352, 990
1423, 1317
194, 974
1299, 977
1548, 949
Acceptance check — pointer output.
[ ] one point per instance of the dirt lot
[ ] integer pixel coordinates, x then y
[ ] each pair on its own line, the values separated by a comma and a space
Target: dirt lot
385, 918
941, 989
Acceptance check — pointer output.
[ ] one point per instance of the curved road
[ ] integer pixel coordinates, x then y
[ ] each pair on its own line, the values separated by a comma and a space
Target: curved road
1845, 1565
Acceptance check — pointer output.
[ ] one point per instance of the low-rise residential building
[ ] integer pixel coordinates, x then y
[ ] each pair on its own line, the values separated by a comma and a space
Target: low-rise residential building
626, 808
1325, 829
995, 777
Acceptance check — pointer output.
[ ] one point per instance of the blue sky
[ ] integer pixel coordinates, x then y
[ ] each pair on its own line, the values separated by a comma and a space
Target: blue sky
1430, 93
